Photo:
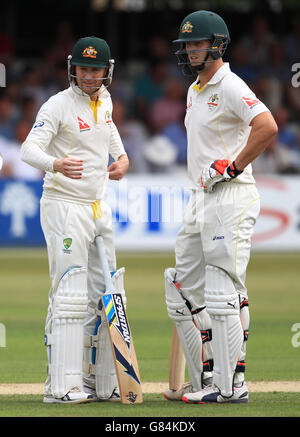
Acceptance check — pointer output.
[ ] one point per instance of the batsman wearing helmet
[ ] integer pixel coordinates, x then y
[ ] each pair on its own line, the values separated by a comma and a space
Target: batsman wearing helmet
71, 140
227, 128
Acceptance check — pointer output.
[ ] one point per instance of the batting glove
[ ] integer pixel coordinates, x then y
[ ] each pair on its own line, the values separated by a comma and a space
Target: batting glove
219, 171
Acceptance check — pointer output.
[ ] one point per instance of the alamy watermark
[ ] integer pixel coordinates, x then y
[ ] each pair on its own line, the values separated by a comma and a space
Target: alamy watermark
296, 76
2, 335
2, 76
296, 337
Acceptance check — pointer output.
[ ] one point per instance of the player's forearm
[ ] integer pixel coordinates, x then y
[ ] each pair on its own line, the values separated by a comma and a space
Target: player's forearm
33, 155
263, 131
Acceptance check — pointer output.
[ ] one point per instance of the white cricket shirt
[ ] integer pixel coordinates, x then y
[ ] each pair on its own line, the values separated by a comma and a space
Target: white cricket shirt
69, 124
217, 122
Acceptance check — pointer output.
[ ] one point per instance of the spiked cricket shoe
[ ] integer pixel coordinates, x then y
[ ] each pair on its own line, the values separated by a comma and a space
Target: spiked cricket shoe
114, 397
74, 396
212, 395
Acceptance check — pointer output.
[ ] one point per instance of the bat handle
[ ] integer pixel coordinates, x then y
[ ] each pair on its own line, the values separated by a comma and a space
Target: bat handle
105, 266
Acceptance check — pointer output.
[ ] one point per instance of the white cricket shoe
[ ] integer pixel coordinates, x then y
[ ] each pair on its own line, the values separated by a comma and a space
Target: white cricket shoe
114, 397
212, 395
176, 395
74, 396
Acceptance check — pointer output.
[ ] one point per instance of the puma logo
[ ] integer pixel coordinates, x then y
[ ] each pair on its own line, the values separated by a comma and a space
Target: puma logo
179, 312
231, 304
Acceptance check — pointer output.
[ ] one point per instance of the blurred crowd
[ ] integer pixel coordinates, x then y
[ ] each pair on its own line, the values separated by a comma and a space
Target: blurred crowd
149, 97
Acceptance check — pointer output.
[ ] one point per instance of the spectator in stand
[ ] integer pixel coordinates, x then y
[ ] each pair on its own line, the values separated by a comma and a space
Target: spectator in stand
32, 86
149, 87
267, 162
257, 42
4, 152
287, 146
29, 109
7, 48
293, 98
170, 107
133, 134
277, 74
14, 167
240, 65
268, 91
176, 134
8, 117
292, 42
63, 42
149, 84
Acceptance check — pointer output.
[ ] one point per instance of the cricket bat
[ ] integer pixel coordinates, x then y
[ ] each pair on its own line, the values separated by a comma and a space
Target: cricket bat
176, 363
121, 341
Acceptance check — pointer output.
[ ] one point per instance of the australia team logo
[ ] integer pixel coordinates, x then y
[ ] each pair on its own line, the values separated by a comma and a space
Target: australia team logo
67, 242
213, 102
108, 119
187, 27
89, 52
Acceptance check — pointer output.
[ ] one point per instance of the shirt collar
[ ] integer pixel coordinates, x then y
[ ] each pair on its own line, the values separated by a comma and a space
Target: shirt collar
102, 93
219, 74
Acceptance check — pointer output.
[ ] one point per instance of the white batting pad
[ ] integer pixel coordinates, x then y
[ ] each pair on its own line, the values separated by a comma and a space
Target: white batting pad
222, 303
189, 335
106, 378
65, 340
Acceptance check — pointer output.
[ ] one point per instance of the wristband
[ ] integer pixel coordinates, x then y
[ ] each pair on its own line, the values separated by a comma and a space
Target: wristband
232, 171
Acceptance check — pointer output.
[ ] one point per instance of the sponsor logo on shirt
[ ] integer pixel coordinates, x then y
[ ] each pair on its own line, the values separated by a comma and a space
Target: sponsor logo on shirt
213, 102
39, 124
190, 103
82, 125
218, 237
250, 102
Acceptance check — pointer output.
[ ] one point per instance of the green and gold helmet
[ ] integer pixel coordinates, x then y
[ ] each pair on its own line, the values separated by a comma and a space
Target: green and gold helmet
198, 26
94, 52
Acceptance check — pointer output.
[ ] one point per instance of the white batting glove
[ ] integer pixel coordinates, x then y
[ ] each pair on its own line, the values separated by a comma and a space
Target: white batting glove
219, 171
1, 162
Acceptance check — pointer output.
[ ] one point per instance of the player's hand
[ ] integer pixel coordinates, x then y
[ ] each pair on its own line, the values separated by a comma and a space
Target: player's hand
69, 167
118, 168
219, 171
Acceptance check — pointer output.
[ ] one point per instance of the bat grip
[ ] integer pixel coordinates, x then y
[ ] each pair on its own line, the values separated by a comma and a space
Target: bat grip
105, 267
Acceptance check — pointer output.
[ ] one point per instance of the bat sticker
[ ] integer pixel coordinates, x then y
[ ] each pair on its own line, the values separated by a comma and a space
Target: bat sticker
116, 315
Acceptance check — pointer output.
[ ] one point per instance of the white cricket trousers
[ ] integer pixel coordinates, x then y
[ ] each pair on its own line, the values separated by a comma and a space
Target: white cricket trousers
70, 230
217, 229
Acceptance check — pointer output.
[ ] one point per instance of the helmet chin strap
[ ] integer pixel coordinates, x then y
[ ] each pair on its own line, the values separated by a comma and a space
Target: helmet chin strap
74, 84
202, 66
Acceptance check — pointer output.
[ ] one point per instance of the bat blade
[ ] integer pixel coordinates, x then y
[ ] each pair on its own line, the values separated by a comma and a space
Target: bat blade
176, 363
123, 349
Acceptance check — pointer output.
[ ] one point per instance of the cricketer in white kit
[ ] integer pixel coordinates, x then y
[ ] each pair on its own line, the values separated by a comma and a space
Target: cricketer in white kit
71, 141
227, 128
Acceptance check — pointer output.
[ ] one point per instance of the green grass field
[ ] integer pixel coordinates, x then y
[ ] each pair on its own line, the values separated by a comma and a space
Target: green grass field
274, 298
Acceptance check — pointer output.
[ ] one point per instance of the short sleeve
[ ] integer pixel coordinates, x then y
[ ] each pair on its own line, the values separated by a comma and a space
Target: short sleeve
241, 101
